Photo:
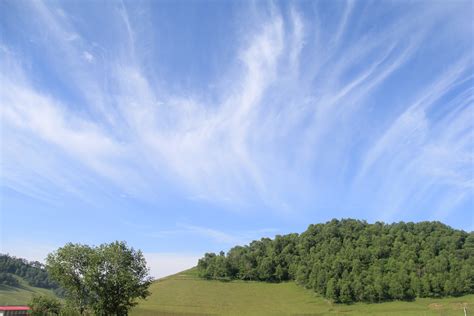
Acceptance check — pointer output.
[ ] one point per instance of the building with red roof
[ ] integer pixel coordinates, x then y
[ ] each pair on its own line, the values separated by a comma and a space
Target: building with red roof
14, 310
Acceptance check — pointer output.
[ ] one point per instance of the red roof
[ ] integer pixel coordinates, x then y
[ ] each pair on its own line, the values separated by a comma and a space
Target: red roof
14, 308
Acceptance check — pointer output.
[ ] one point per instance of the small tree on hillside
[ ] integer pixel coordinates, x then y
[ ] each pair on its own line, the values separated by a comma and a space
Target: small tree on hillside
105, 279
118, 276
69, 266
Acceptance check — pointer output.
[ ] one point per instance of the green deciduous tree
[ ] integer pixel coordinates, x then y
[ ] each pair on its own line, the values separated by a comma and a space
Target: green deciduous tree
69, 266
106, 279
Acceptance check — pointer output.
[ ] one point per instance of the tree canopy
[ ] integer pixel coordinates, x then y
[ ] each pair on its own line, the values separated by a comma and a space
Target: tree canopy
350, 260
106, 279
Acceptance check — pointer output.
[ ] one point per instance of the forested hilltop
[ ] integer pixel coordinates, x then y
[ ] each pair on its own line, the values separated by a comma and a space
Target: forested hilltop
350, 260
32, 272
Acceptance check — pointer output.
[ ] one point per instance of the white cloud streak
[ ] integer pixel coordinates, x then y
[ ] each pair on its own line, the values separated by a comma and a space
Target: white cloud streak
285, 115
215, 235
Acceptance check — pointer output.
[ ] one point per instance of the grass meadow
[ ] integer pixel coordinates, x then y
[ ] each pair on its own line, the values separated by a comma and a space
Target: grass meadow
186, 294
20, 295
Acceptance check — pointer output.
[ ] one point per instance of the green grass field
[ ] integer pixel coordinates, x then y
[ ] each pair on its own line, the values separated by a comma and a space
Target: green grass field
20, 295
186, 294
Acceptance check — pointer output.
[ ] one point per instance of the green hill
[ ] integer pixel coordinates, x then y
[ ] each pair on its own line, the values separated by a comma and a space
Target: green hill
20, 295
351, 260
187, 294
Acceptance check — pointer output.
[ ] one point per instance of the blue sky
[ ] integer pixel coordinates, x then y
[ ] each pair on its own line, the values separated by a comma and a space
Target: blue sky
191, 126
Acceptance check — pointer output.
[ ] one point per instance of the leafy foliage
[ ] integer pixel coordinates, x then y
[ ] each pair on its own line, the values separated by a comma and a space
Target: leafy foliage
105, 279
8, 279
69, 266
350, 260
44, 305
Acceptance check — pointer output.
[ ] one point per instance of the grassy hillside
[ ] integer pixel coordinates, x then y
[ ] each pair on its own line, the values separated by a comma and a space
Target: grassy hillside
186, 294
20, 295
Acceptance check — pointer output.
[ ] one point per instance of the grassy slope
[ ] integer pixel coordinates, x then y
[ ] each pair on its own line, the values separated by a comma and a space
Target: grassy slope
186, 294
20, 295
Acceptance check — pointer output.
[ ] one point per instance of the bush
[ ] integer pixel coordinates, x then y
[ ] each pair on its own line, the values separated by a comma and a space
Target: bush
44, 306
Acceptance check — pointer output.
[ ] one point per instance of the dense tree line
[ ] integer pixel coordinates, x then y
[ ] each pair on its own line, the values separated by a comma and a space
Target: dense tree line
8, 279
350, 260
33, 272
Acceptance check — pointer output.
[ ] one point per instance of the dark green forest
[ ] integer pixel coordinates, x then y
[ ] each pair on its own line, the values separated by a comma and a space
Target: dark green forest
32, 272
350, 260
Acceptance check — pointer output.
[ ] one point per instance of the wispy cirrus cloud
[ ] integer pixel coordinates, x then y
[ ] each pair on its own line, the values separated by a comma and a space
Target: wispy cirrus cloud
300, 107
419, 153
220, 237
